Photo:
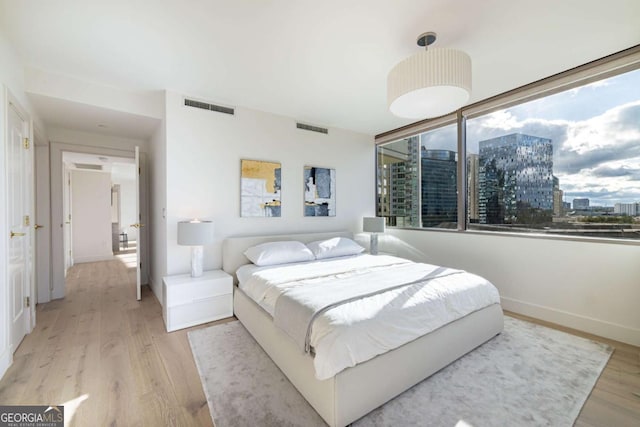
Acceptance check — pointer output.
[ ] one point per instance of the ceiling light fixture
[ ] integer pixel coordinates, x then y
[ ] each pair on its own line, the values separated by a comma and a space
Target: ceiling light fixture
431, 83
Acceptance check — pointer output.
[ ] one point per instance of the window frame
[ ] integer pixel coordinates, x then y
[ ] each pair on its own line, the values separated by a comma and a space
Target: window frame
603, 68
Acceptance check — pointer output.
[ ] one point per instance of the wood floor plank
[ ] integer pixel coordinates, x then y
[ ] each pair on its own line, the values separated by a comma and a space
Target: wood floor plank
117, 395
15, 382
39, 334
174, 350
599, 411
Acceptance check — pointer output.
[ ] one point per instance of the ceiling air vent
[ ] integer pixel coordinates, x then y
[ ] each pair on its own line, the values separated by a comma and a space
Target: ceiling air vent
210, 107
312, 128
88, 166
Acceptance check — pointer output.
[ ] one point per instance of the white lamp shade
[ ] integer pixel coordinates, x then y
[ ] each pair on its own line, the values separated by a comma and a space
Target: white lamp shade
373, 224
429, 84
195, 233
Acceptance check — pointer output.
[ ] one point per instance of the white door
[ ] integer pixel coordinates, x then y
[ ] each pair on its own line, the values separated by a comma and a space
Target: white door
19, 192
138, 226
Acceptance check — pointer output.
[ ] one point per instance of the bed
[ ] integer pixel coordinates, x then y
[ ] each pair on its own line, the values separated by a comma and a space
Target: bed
355, 391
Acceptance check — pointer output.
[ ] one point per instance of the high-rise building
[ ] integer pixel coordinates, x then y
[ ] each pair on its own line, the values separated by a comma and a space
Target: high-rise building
631, 209
472, 188
439, 190
515, 179
384, 188
404, 206
581, 203
558, 194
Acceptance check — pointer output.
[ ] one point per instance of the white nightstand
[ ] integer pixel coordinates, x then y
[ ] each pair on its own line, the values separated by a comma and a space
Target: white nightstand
189, 301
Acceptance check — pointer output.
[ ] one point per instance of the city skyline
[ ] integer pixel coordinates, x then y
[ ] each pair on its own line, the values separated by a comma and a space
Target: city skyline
595, 134
511, 187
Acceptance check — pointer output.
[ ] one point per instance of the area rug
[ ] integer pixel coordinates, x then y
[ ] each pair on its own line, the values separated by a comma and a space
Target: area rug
529, 375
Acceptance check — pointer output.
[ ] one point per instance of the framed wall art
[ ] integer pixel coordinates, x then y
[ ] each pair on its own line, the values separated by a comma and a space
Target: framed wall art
260, 189
319, 191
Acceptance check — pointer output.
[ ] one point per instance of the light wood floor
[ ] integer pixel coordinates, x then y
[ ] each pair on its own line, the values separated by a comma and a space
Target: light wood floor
107, 354
99, 343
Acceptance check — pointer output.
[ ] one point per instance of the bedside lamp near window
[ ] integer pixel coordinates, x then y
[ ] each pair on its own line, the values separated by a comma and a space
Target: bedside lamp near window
373, 225
195, 233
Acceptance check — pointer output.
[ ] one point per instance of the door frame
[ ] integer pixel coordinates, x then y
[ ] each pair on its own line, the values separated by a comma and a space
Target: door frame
57, 243
43, 218
66, 225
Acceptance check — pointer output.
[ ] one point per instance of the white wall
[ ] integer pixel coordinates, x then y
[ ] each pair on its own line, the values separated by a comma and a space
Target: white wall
158, 204
91, 216
203, 156
584, 285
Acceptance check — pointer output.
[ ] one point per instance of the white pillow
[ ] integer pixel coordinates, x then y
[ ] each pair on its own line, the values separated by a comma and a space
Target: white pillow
273, 253
336, 247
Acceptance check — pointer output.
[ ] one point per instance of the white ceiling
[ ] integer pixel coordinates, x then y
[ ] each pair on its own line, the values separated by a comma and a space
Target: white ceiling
324, 62
90, 118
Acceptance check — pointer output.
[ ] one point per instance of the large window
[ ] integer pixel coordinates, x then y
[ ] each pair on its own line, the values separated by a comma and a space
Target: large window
563, 164
398, 186
417, 180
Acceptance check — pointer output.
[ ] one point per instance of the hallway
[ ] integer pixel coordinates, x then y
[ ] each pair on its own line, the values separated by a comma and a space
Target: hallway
107, 357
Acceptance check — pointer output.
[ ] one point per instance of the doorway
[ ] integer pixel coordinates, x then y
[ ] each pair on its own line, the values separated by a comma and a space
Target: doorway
99, 208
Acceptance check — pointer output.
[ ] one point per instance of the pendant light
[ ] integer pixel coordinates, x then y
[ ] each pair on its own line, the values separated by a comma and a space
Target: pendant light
431, 83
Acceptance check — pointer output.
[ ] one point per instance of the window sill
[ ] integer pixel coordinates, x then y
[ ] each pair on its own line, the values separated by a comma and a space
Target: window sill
632, 242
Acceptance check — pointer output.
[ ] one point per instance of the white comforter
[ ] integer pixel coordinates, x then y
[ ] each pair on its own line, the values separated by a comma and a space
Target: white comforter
357, 331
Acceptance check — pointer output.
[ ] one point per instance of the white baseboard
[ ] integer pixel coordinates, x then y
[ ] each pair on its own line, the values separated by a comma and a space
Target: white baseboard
5, 361
57, 294
93, 258
582, 323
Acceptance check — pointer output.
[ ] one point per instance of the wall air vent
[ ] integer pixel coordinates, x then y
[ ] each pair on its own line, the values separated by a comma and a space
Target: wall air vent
312, 128
88, 166
210, 107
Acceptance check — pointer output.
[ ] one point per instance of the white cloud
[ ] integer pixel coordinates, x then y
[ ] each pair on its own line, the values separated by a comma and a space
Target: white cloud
602, 131
502, 119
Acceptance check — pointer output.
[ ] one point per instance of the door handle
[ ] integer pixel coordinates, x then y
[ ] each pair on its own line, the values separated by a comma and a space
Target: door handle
137, 225
13, 234
37, 226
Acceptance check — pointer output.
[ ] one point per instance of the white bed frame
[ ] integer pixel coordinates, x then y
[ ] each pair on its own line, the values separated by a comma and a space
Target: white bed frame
355, 391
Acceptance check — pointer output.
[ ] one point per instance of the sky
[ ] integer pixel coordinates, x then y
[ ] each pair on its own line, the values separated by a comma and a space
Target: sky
595, 131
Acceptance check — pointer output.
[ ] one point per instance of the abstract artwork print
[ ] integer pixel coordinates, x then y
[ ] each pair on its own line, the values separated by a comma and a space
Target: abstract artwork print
319, 191
260, 189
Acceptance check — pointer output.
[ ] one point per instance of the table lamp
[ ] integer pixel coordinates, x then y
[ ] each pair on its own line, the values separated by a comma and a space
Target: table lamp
195, 233
373, 225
